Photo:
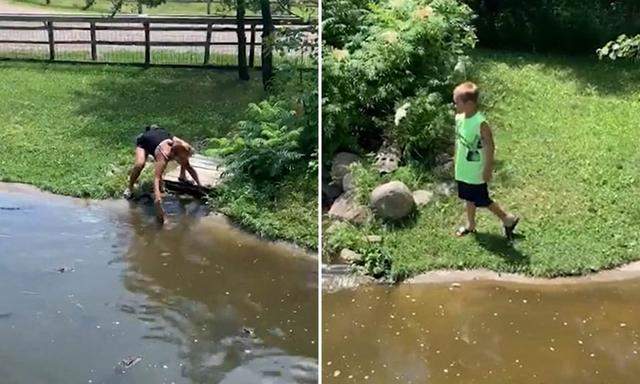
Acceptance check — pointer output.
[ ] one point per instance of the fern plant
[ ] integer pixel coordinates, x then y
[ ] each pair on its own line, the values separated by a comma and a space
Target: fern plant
267, 143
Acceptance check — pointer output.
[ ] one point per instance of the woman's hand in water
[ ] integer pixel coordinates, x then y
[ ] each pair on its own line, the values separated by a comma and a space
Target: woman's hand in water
159, 210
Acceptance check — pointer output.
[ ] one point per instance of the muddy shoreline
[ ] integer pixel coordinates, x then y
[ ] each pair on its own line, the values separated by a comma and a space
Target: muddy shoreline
340, 277
214, 219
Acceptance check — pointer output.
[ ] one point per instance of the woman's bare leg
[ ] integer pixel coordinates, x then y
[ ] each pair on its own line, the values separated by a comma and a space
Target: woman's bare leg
138, 166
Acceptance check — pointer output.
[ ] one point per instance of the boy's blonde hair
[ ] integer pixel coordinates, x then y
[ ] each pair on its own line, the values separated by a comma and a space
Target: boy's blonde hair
467, 91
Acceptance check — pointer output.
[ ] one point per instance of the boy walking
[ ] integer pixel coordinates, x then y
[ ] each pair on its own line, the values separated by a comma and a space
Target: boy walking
474, 160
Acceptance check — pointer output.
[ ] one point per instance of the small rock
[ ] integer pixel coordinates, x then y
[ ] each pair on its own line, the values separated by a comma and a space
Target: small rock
387, 159
456, 285
422, 197
350, 256
248, 332
346, 207
446, 188
444, 170
373, 238
65, 269
330, 191
340, 164
392, 200
443, 158
277, 332
348, 183
332, 227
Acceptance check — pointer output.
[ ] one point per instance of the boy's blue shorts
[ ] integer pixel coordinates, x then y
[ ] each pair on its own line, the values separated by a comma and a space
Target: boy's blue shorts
478, 194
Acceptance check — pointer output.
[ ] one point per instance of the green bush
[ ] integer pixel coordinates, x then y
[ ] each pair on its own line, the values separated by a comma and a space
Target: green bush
341, 19
623, 47
571, 26
279, 135
406, 52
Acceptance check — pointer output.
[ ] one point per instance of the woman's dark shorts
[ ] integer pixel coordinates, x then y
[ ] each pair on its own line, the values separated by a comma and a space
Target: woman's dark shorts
478, 194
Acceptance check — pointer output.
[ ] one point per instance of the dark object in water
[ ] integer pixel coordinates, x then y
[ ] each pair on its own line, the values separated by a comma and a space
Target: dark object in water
9, 208
4, 315
129, 361
248, 332
65, 269
127, 308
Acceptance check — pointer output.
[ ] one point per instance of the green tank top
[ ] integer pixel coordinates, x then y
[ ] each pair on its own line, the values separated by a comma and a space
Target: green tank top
469, 162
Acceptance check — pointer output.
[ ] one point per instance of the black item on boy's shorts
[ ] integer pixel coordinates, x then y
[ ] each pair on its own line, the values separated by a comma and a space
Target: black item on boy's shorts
478, 194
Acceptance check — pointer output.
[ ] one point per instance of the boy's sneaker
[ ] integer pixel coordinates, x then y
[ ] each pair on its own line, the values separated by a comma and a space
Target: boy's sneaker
509, 228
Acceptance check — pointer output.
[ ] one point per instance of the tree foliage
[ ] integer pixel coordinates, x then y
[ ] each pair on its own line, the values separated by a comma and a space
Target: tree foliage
407, 55
567, 26
622, 47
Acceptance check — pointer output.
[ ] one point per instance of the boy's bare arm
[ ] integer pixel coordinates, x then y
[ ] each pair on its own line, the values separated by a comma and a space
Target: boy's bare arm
489, 150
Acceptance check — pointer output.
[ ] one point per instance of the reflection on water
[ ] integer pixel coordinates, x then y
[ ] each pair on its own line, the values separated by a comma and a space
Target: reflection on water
88, 285
483, 332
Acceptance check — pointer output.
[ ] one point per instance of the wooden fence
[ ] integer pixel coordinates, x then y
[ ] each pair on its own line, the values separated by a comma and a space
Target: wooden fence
79, 38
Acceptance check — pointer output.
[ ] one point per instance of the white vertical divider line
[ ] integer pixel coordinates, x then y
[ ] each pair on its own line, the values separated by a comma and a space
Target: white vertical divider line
319, 192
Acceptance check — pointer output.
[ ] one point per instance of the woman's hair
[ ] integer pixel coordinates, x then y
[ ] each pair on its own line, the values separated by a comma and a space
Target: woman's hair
182, 147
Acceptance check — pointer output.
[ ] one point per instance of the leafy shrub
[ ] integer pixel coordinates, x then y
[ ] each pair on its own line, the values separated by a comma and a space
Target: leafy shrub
406, 52
341, 19
572, 26
267, 145
378, 263
622, 47
343, 235
278, 135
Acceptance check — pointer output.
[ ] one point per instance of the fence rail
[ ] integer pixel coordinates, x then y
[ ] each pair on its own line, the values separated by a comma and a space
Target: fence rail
181, 40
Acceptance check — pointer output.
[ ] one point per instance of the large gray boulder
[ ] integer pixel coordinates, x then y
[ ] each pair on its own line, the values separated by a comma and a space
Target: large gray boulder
340, 164
347, 208
392, 200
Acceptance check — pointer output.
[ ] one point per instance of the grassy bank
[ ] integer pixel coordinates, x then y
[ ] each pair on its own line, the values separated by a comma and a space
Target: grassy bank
287, 210
70, 129
567, 161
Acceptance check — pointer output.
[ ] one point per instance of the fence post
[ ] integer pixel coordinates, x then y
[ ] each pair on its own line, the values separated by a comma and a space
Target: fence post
252, 49
207, 45
147, 44
52, 50
94, 53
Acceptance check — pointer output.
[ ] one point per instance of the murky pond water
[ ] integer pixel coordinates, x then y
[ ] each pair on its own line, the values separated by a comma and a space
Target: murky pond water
483, 332
89, 288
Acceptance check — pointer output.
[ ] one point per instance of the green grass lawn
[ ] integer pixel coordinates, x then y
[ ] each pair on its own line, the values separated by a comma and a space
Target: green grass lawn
70, 129
288, 209
566, 131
